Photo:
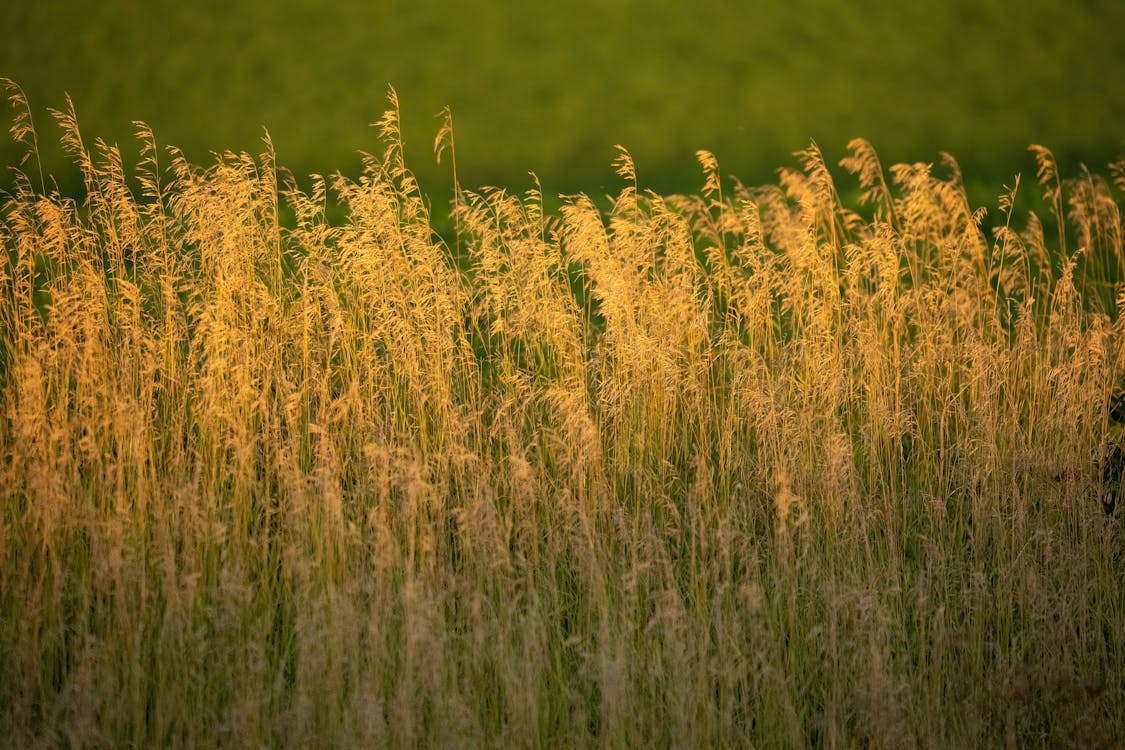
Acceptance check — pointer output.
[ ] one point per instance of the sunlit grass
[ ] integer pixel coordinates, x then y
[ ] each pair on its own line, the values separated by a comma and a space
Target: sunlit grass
743, 467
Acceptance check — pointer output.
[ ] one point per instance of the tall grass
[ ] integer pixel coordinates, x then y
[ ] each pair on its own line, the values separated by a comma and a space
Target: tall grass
744, 467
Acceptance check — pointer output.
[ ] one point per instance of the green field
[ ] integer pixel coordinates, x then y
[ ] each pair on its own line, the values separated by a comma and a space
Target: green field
551, 88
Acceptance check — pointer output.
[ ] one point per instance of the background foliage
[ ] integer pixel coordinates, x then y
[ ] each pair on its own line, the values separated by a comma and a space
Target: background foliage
551, 87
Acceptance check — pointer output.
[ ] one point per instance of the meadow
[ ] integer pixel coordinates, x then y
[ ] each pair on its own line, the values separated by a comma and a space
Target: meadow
550, 87
745, 466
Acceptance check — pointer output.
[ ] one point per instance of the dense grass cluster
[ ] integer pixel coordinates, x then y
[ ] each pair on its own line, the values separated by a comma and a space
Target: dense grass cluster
746, 467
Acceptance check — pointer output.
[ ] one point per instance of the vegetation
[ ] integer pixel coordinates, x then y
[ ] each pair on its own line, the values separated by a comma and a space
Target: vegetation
742, 467
551, 86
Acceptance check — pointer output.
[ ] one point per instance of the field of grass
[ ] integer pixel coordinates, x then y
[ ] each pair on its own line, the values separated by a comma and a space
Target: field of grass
550, 87
748, 466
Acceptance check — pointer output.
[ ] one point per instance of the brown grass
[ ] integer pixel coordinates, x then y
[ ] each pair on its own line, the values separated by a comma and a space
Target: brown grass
745, 467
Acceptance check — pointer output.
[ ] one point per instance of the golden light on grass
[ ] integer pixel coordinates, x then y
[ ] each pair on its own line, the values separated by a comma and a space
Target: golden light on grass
746, 467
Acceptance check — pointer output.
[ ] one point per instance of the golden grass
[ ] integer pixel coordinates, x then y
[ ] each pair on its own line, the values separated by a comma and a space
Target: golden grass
746, 467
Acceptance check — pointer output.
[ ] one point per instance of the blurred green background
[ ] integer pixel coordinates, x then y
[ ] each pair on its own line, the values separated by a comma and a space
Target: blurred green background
551, 87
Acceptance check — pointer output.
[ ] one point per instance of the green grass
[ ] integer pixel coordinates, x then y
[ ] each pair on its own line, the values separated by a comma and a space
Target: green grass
552, 87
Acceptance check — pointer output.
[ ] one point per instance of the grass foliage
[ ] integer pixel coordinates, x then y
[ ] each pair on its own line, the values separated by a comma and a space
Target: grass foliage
743, 467
550, 87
